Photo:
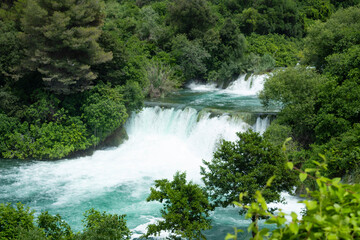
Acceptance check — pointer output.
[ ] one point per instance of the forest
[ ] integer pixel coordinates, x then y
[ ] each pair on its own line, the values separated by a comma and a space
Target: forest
72, 72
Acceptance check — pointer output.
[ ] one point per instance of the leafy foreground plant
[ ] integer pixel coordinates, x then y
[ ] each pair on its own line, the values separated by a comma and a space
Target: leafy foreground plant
332, 211
186, 208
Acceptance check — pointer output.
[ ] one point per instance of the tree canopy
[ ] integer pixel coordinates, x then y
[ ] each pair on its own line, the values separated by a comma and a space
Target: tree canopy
186, 208
61, 42
245, 166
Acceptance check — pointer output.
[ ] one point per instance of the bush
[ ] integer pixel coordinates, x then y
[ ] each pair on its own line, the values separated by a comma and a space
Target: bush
104, 110
338, 33
186, 208
18, 223
12, 220
162, 79
285, 51
51, 140
297, 91
101, 226
54, 227
246, 165
190, 56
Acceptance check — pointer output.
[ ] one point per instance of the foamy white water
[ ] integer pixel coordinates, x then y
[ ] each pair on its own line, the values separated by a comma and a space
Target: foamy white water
199, 87
246, 87
241, 86
291, 205
261, 124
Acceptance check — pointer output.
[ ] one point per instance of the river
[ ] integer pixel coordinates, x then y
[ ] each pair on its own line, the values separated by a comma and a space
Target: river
172, 134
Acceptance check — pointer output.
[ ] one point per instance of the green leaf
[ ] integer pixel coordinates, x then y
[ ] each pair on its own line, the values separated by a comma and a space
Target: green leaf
311, 205
290, 165
293, 216
322, 156
268, 183
286, 141
317, 163
264, 231
294, 228
230, 236
336, 180
302, 176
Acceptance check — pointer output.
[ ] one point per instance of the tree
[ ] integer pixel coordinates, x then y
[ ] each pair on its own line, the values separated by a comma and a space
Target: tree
343, 154
10, 50
296, 90
284, 50
276, 16
104, 110
54, 227
338, 33
186, 208
317, 10
60, 39
344, 3
191, 57
12, 220
98, 226
192, 17
245, 166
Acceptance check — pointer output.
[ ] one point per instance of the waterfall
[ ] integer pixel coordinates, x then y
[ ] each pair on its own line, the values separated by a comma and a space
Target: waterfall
242, 86
198, 87
198, 130
246, 87
261, 124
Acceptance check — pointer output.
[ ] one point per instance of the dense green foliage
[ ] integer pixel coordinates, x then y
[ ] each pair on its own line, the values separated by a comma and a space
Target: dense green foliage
320, 106
104, 226
13, 219
52, 128
285, 51
334, 36
296, 90
18, 223
54, 227
246, 165
191, 17
186, 208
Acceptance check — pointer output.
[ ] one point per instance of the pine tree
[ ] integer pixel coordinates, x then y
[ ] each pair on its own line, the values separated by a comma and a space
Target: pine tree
60, 39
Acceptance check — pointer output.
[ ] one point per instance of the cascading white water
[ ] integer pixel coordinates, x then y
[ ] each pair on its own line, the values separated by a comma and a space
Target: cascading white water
199, 87
261, 124
241, 86
251, 86
198, 131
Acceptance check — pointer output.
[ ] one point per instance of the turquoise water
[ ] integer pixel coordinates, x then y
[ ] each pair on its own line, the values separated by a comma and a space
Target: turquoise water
117, 180
213, 99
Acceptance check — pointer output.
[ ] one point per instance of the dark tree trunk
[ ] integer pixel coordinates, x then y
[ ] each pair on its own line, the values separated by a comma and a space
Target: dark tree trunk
254, 219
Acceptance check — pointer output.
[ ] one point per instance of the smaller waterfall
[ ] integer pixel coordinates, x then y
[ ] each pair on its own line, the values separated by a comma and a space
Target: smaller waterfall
247, 87
261, 124
198, 87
